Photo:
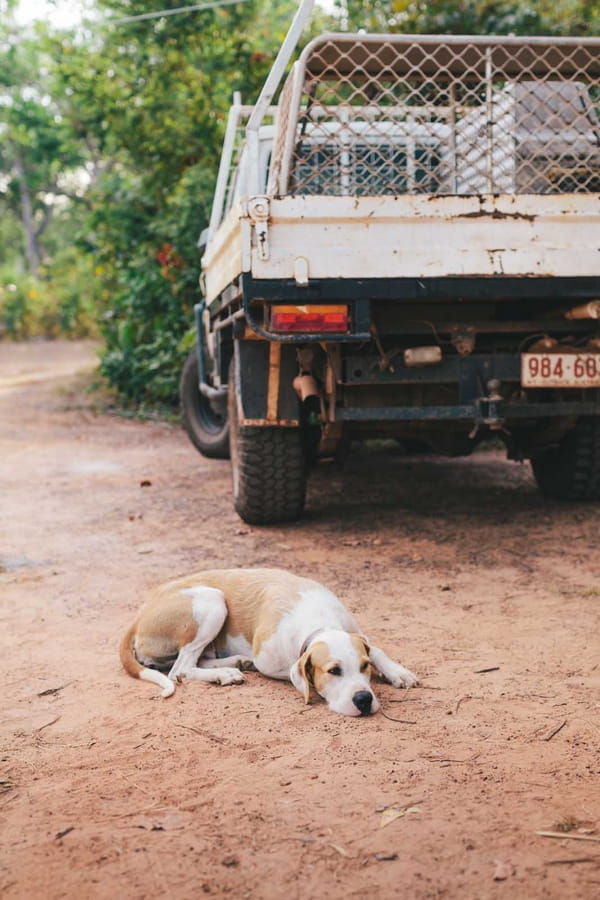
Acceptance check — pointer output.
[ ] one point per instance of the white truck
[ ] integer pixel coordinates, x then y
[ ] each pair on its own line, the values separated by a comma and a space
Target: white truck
415, 224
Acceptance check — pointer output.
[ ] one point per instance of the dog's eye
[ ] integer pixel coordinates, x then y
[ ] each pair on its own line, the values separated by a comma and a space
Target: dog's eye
335, 670
364, 666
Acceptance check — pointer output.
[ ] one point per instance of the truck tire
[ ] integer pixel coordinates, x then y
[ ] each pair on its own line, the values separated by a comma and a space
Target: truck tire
571, 471
207, 429
268, 467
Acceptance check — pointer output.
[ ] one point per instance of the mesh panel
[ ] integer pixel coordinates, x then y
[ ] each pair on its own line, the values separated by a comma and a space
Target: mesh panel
394, 115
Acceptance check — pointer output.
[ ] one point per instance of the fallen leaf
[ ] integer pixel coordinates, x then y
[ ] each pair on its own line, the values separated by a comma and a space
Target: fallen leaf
502, 871
341, 850
392, 813
49, 691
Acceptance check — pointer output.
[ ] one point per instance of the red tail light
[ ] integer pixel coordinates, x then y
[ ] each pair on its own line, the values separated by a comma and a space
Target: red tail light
305, 319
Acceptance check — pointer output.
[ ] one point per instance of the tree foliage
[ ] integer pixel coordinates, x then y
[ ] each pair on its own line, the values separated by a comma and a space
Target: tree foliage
37, 147
151, 98
553, 17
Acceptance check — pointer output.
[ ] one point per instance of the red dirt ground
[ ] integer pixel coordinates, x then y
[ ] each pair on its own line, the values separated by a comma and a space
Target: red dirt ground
459, 568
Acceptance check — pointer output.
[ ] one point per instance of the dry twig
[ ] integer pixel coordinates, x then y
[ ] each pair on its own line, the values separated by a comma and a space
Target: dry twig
568, 837
570, 862
392, 719
47, 725
555, 730
203, 733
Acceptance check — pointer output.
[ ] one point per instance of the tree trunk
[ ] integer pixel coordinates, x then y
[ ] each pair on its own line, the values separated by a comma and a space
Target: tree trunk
31, 248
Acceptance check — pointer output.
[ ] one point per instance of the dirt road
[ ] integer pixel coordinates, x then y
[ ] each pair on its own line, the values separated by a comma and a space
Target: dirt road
458, 568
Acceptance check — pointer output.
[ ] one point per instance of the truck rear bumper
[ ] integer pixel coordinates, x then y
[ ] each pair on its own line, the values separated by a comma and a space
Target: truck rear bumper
480, 412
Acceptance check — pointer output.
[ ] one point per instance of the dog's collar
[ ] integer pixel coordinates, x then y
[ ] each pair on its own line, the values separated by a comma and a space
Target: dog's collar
308, 641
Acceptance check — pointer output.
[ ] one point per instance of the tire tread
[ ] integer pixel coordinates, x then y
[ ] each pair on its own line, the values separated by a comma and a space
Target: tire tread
208, 435
571, 471
271, 475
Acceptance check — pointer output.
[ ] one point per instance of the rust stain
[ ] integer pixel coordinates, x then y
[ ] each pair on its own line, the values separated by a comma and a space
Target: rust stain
496, 214
283, 423
273, 384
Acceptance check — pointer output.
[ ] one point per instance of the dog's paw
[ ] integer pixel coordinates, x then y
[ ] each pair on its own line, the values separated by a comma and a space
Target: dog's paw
401, 678
229, 676
247, 665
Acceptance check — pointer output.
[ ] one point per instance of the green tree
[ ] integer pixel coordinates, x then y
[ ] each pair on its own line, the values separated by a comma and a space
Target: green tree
562, 17
149, 98
38, 151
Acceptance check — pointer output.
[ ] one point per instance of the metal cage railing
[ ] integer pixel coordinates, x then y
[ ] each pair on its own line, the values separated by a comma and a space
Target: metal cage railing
232, 177
396, 114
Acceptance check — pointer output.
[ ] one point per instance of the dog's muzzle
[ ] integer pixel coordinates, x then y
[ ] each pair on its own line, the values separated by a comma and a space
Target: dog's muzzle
363, 701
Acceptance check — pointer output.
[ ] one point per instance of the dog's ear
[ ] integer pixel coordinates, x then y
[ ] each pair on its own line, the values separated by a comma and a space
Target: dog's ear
360, 640
301, 675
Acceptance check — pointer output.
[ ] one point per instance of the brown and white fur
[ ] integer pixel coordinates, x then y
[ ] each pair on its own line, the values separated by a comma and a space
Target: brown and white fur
209, 625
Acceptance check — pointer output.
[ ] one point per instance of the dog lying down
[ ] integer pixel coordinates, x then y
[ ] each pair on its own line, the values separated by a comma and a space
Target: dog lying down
209, 625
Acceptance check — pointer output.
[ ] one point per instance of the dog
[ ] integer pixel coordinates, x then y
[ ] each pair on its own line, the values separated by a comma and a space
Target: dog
210, 625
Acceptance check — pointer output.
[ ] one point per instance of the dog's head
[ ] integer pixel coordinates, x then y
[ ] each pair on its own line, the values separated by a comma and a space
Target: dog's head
336, 665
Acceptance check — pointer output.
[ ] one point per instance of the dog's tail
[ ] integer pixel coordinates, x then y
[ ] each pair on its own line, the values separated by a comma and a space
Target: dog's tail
137, 670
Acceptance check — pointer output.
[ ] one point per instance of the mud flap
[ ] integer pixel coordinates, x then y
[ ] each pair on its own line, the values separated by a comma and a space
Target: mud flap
265, 372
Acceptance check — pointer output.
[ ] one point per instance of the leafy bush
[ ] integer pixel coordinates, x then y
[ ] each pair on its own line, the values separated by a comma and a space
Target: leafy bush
147, 251
64, 302
26, 309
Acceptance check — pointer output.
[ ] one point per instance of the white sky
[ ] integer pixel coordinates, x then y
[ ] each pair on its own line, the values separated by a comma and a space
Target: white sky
61, 14
68, 13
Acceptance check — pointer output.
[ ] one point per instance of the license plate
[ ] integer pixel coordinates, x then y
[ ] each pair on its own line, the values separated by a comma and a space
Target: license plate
554, 370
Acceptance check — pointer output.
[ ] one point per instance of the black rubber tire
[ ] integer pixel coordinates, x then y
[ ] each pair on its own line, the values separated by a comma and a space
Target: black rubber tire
268, 467
206, 428
571, 471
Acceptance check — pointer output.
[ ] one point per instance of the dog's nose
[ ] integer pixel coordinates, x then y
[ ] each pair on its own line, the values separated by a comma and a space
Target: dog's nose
362, 701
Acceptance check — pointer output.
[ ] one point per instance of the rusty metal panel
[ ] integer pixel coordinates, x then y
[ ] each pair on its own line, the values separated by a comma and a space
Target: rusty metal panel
430, 237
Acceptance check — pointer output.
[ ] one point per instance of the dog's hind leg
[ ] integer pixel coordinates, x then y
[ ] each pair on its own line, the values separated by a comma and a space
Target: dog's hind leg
209, 612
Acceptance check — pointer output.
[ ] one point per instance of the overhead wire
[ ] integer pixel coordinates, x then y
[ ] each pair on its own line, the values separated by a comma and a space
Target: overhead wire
159, 14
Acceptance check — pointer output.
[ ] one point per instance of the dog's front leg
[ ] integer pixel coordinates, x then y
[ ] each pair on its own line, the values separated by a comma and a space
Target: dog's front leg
223, 675
392, 671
